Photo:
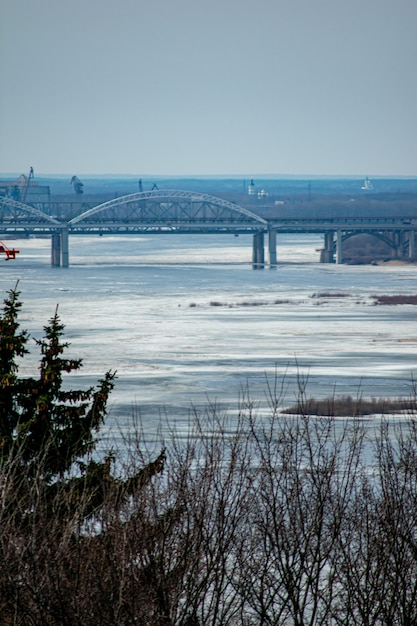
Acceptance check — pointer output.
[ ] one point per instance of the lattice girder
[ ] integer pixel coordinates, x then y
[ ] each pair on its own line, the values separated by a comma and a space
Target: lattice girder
167, 207
13, 212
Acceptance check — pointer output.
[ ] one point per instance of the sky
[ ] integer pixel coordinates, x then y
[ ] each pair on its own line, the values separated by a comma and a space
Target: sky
214, 87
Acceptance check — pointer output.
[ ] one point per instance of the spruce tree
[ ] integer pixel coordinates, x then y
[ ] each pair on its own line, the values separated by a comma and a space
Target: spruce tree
39, 420
12, 345
47, 433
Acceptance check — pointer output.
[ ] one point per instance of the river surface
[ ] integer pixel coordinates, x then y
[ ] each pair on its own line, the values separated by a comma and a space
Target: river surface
185, 320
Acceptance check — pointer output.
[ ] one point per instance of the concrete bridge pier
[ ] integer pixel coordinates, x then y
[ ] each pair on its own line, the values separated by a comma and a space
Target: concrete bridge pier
272, 247
411, 244
397, 243
326, 255
56, 249
60, 249
339, 251
65, 247
258, 253
400, 242
405, 243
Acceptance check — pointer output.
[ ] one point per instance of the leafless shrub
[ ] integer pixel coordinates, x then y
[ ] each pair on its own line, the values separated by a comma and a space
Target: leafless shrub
392, 300
256, 520
376, 558
330, 294
346, 406
247, 303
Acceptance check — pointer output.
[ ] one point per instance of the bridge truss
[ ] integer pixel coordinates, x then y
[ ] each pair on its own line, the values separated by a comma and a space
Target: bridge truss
168, 210
23, 219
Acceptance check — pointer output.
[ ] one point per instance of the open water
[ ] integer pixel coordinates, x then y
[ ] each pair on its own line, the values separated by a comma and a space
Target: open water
185, 320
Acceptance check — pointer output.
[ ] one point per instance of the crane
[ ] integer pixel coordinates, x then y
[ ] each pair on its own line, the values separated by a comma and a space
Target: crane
19, 188
77, 184
27, 183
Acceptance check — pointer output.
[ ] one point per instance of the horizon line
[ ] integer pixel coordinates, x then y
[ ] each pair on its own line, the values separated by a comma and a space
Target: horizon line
219, 176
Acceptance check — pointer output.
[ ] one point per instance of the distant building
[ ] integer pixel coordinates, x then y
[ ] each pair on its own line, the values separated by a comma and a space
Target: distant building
25, 191
367, 184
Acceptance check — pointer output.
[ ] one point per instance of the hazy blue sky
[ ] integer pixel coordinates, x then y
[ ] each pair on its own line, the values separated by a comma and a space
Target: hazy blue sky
238, 87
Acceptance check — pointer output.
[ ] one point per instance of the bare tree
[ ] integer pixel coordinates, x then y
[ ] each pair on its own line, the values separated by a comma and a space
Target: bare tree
300, 495
378, 555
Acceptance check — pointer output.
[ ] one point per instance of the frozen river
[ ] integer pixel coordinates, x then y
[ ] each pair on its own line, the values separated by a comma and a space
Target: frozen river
181, 330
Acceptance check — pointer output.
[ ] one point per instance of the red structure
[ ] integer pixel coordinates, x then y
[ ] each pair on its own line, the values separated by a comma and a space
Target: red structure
10, 253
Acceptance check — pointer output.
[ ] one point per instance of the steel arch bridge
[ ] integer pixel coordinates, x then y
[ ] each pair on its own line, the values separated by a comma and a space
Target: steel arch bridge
157, 211
169, 210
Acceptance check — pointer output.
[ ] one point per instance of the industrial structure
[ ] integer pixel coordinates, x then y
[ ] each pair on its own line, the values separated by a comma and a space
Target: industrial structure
9, 253
26, 190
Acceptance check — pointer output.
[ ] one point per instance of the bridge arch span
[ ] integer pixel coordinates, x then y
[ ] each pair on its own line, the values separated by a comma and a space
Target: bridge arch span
14, 211
387, 238
170, 207
376, 235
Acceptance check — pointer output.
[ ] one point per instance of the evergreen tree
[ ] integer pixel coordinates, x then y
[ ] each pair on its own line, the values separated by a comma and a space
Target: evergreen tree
38, 419
46, 431
12, 345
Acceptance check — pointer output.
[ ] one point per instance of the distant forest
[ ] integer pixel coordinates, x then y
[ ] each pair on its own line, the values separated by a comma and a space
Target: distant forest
308, 187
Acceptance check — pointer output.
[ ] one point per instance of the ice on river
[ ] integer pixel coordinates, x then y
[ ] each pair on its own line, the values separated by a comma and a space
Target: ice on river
185, 319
